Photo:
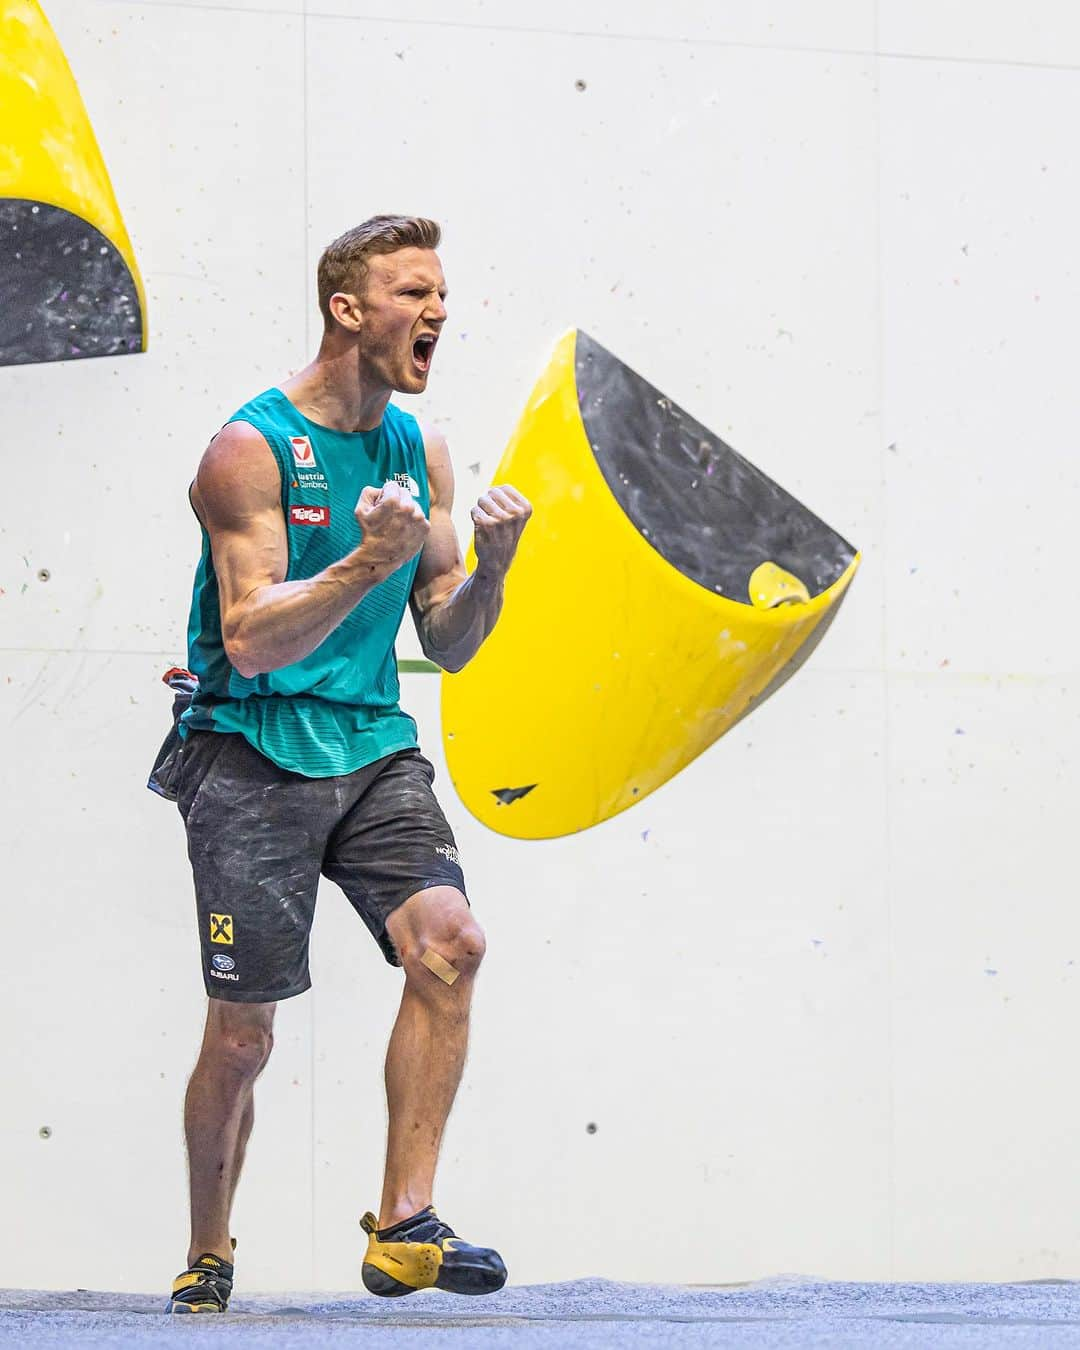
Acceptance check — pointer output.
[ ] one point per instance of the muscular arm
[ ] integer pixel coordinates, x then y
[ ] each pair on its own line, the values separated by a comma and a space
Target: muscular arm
454, 611
267, 622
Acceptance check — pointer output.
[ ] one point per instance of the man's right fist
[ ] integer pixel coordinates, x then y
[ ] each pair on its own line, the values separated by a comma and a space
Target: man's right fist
393, 525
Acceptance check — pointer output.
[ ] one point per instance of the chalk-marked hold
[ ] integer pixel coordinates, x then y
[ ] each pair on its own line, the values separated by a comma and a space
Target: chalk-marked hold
505, 796
717, 585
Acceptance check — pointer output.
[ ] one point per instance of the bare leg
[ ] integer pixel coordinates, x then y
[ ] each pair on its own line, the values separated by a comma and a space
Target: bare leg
427, 1048
247, 1120
218, 1114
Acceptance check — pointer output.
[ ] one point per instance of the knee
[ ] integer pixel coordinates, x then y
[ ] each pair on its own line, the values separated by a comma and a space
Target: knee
241, 1052
459, 942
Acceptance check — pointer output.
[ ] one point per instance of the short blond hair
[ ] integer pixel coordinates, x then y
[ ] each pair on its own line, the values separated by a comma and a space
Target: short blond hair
344, 263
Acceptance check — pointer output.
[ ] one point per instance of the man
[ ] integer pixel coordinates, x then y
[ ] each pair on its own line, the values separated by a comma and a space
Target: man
325, 509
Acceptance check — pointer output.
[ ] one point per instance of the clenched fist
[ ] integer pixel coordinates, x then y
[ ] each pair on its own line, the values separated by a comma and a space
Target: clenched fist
498, 519
394, 526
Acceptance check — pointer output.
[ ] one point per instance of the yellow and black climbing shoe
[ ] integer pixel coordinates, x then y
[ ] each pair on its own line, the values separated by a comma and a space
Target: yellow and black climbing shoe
204, 1287
425, 1253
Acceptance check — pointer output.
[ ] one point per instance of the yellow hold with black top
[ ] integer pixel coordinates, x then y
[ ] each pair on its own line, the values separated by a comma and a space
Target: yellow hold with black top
662, 586
68, 273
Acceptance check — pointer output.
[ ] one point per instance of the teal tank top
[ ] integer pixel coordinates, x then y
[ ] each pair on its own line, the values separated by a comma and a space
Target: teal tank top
337, 709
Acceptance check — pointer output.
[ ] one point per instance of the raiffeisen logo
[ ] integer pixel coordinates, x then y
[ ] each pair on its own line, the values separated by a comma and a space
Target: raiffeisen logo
309, 515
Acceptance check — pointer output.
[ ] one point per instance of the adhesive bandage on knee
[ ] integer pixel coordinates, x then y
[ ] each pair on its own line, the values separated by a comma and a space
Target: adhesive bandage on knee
438, 966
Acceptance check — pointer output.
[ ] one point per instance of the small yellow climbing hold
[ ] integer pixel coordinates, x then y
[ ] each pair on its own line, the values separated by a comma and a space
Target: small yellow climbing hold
771, 586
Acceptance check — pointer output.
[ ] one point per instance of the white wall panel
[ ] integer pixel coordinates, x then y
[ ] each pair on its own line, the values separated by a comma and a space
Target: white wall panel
986, 955
234, 6
839, 24
980, 287
1039, 31
206, 157
738, 276
104, 1001
673, 978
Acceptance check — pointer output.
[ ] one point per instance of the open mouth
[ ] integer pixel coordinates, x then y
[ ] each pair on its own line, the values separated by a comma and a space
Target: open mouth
423, 349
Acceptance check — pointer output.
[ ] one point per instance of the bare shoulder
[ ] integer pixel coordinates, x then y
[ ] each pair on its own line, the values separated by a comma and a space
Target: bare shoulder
237, 475
439, 468
435, 445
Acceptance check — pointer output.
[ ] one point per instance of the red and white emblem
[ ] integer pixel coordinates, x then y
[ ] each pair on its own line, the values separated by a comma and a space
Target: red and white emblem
309, 515
302, 453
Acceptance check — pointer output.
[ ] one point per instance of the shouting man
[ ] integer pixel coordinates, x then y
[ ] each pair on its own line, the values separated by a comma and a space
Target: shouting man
324, 510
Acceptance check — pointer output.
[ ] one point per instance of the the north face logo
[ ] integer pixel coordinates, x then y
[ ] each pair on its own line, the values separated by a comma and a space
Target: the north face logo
407, 481
309, 515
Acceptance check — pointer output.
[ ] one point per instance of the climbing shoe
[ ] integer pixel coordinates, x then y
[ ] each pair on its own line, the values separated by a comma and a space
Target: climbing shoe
425, 1253
204, 1287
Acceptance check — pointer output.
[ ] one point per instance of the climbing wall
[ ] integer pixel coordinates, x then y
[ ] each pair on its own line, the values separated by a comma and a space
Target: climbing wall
810, 1000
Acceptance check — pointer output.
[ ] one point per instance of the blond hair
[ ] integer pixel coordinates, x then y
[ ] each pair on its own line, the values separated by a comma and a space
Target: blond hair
344, 263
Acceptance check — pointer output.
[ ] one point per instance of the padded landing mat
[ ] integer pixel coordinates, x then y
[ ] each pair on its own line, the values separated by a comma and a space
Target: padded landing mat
774, 1314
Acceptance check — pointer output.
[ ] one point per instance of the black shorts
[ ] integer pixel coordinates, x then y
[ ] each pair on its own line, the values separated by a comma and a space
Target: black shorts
259, 837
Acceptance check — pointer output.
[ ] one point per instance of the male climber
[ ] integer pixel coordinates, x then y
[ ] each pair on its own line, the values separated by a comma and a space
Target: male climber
324, 510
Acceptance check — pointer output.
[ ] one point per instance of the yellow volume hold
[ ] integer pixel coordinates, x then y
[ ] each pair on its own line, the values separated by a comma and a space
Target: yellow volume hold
70, 282
662, 586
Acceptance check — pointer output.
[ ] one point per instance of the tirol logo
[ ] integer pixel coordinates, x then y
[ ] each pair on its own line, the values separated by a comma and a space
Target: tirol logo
302, 452
222, 962
309, 515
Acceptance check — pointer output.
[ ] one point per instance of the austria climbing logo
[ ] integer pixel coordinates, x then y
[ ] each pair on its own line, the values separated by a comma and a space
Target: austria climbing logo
302, 453
309, 515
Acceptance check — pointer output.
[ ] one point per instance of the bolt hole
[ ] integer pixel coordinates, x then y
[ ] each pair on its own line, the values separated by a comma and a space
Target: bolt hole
580, 86
45, 1132
44, 574
591, 1127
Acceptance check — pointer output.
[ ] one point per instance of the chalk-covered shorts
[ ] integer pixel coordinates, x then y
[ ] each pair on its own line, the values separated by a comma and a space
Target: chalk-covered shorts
259, 836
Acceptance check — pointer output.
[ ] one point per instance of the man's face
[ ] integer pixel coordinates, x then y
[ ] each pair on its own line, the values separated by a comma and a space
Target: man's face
402, 314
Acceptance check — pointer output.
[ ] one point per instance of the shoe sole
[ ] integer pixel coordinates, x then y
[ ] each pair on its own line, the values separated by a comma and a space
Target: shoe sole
458, 1279
471, 1279
377, 1281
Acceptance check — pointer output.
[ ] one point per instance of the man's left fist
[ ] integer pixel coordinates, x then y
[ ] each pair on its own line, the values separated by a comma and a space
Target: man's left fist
498, 519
